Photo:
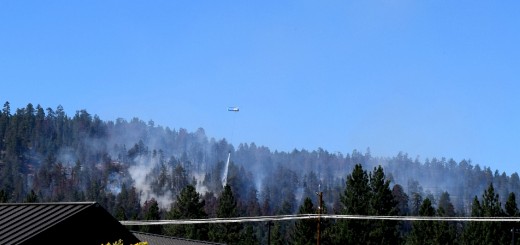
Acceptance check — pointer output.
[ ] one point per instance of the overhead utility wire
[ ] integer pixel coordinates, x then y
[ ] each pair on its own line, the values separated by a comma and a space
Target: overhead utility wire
314, 216
218, 220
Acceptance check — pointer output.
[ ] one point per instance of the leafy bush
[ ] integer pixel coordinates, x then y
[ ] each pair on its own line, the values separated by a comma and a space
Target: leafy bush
120, 242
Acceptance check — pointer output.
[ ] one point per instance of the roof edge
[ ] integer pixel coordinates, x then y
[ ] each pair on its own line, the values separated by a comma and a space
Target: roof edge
47, 203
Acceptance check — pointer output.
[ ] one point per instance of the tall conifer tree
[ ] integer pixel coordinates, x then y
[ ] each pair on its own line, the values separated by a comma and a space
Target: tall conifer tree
423, 232
304, 232
382, 203
355, 199
189, 205
228, 233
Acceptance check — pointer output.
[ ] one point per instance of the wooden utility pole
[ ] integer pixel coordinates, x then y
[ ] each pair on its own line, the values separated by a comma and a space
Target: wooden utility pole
320, 195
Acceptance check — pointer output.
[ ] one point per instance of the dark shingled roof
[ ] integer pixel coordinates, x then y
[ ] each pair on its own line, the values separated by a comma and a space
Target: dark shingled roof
59, 223
154, 239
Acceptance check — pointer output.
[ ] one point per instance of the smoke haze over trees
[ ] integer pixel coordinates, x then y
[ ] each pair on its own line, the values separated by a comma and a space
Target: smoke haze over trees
140, 170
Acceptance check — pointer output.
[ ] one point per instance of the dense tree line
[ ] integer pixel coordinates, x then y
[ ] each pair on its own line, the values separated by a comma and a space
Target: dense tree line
141, 171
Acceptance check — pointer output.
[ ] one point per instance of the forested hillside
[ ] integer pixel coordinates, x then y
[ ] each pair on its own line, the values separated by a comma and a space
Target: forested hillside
138, 170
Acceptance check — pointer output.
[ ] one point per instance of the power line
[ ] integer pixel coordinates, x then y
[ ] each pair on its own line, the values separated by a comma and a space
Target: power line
218, 220
315, 216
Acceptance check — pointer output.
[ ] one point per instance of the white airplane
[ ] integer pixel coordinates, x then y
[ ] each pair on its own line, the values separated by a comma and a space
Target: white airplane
235, 109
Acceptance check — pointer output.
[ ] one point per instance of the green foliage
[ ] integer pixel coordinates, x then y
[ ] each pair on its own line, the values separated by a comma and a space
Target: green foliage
362, 189
3, 196
305, 230
401, 199
382, 203
423, 232
152, 212
120, 242
189, 205
355, 199
227, 205
31, 197
228, 233
45, 155
127, 204
277, 237
445, 207
511, 208
446, 232
487, 232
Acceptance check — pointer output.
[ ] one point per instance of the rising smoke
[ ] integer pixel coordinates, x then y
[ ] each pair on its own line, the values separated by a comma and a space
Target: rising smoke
147, 151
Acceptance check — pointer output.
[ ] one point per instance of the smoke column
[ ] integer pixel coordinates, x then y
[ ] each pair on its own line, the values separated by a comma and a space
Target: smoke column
224, 177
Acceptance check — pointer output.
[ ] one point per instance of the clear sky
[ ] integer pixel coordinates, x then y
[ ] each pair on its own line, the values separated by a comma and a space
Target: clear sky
428, 78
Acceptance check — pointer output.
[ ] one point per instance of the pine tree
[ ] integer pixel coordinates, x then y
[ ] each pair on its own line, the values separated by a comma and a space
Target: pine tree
446, 231
304, 232
401, 198
445, 207
473, 230
5, 116
511, 209
228, 233
277, 235
31, 197
491, 207
3, 196
248, 236
120, 213
423, 232
487, 232
188, 206
382, 203
355, 200
151, 209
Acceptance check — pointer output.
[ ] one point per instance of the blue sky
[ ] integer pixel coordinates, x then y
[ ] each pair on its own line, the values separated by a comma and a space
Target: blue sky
428, 78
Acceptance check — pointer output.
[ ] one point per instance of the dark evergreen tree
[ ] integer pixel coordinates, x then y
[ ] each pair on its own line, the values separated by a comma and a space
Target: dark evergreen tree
211, 203
86, 159
277, 237
248, 236
487, 232
252, 205
491, 207
445, 207
304, 232
179, 179
228, 233
120, 213
473, 230
355, 199
382, 203
3, 196
188, 206
252, 232
5, 116
401, 198
31, 197
151, 212
423, 232
511, 209
127, 201
446, 231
